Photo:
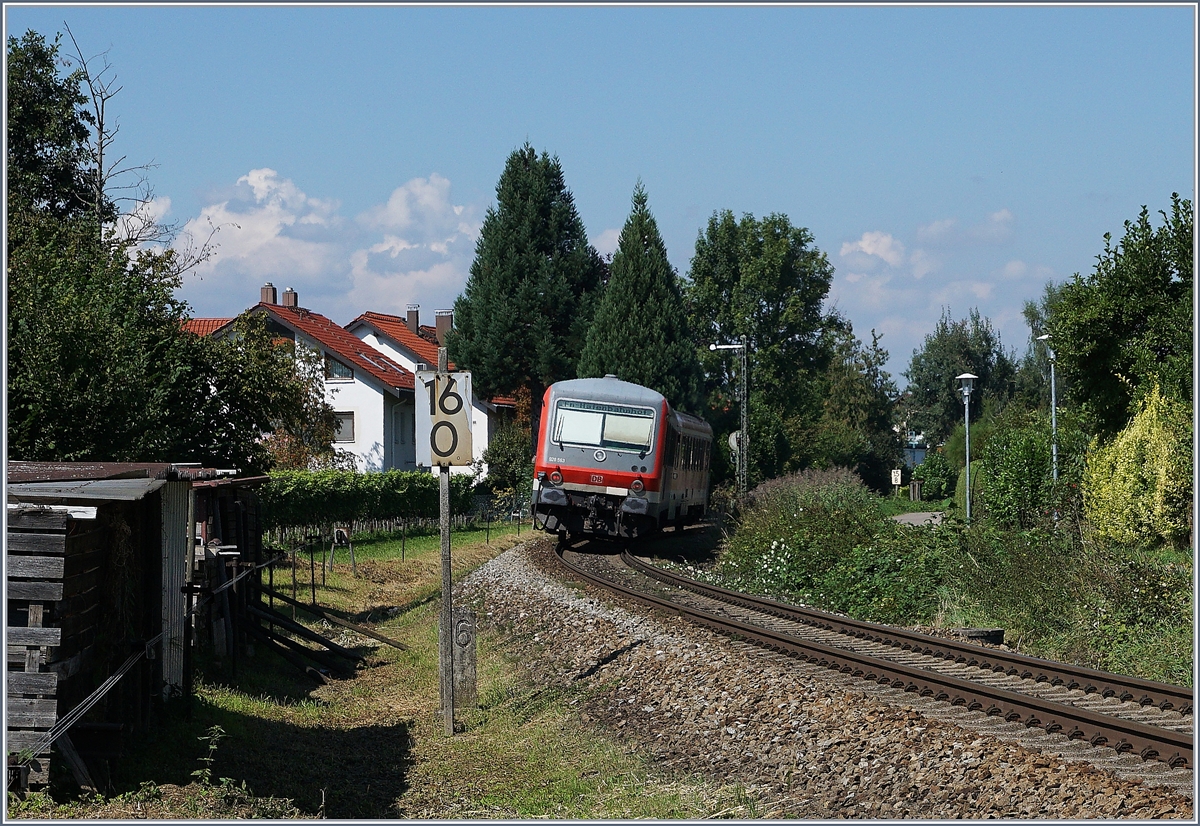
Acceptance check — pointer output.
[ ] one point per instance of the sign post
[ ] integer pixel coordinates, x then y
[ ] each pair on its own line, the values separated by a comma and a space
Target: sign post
444, 438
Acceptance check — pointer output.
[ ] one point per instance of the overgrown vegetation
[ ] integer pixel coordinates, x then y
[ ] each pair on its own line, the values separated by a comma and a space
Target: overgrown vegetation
1057, 586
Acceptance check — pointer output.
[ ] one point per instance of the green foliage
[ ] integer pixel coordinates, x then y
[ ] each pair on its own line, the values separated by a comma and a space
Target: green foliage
795, 528
1127, 325
1117, 607
100, 368
1138, 487
855, 428
334, 497
640, 333
524, 314
212, 737
1018, 489
937, 475
51, 166
766, 280
821, 537
509, 458
978, 482
933, 400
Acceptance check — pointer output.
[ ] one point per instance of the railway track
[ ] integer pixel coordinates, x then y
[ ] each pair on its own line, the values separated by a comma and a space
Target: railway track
1129, 715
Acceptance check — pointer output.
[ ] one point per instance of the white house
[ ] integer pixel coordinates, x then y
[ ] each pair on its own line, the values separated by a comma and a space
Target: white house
369, 376
410, 345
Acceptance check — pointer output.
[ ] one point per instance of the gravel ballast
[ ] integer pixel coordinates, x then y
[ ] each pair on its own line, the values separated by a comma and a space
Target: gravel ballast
806, 741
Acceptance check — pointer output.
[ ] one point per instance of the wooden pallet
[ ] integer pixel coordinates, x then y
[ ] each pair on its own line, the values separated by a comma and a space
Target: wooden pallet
34, 565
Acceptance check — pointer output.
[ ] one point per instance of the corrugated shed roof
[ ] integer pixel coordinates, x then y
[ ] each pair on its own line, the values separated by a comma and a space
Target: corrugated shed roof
396, 328
205, 326
68, 471
108, 490
344, 344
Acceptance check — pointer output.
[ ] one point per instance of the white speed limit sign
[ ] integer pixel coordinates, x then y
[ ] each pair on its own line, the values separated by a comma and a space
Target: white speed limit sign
443, 402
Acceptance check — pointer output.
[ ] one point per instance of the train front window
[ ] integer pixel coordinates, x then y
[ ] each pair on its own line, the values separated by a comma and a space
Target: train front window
611, 426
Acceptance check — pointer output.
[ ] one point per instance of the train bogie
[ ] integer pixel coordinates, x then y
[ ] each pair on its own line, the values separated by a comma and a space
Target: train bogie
613, 459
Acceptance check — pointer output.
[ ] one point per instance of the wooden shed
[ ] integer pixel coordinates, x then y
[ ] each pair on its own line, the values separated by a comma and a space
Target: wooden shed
103, 561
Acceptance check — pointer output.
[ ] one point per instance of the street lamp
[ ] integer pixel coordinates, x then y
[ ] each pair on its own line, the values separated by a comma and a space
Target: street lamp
743, 454
968, 383
1053, 409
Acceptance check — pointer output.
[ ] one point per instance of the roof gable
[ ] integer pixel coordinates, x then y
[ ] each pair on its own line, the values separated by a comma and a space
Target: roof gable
342, 344
205, 326
396, 328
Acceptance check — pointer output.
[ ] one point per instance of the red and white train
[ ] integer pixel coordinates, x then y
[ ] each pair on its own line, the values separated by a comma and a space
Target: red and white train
613, 459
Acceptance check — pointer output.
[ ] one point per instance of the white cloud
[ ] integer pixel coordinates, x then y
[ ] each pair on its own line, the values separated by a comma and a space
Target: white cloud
879, 244
606, 242
1014, 270
416, 247
937, 232
922, 264
996, 228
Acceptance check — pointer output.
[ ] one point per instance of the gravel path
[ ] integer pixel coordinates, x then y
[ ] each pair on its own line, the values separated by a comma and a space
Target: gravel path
807, 742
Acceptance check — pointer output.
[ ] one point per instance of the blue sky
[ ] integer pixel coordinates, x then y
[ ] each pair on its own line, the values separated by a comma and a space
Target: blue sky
952, 157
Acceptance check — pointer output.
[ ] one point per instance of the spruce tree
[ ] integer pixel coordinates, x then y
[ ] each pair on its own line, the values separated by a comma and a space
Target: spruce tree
640, 333
525, 312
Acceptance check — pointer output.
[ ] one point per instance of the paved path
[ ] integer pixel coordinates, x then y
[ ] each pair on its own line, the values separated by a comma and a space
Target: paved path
934, 518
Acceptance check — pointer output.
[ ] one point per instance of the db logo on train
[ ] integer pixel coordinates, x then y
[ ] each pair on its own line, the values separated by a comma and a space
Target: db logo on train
597, 479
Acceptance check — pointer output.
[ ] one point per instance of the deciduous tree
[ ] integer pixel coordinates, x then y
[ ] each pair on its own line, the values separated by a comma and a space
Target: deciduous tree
933, 401
100, 367
764, 279
1127, 326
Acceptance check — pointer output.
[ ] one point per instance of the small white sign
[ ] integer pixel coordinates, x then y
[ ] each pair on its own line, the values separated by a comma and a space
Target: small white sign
443, 402
896, 476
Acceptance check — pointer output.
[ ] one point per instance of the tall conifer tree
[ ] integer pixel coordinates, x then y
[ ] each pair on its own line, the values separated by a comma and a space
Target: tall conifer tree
640, 332
524, 315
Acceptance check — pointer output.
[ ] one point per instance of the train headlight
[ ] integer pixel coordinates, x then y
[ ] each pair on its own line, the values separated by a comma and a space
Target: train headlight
556, 477
636, 486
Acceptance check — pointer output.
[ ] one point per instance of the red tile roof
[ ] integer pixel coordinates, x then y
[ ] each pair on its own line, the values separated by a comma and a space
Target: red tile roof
396, 328
205, 326
346, 346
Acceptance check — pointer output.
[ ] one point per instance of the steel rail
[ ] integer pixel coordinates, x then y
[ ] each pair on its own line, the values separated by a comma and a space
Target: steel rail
1172, 748
1089, 680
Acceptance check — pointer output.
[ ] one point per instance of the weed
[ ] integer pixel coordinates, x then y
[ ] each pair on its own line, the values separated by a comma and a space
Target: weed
213, 737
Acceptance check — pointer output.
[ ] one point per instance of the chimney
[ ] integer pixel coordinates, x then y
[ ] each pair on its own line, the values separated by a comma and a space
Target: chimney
414, 318
267, 295
290, 299
444, 320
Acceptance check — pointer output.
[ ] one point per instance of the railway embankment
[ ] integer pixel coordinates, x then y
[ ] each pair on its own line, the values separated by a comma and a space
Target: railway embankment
806, 741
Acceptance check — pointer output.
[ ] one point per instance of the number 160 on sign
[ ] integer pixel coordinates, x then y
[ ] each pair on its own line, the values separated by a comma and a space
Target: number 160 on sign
443, 402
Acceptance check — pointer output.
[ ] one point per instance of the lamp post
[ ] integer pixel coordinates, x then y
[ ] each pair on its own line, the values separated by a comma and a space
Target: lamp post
968, 383
743, 454
1053, 410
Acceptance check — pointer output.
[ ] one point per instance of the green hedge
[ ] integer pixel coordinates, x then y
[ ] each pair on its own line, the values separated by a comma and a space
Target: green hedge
327, 497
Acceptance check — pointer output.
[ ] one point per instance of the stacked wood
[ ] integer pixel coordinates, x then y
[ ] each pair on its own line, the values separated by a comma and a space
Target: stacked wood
35, 567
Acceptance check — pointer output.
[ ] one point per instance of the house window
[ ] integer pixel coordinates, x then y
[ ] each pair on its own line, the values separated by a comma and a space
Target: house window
345, 428
335, 369
399, 434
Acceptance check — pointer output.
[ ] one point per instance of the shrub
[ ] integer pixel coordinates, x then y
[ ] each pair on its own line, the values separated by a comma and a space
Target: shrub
509, 458
936, 474
1139, 487
301, 497
1017, 483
